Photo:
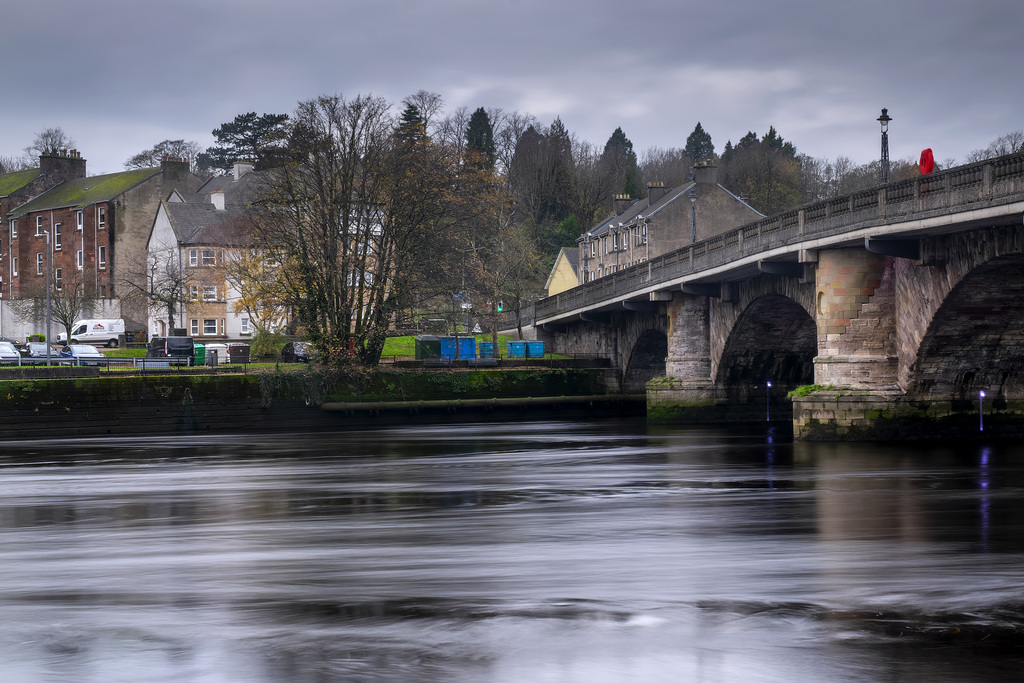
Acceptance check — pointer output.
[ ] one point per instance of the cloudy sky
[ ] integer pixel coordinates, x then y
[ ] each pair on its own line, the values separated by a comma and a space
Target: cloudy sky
121, 75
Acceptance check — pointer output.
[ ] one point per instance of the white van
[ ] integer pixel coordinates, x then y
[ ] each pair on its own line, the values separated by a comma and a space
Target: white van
103, 332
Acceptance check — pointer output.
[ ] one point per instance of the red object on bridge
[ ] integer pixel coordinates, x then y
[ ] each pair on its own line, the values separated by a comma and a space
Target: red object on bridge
927, 162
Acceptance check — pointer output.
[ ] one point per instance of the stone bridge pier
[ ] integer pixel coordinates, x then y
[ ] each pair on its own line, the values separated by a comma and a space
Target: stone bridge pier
886, 340
634, 338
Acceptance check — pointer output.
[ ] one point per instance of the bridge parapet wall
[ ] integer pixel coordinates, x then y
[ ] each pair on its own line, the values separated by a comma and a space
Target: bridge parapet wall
974, 186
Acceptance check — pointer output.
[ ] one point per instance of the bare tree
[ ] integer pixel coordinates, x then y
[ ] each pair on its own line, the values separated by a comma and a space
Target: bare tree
72, 294
168, 148
156, 281
1010, 143
429, 105
49, 141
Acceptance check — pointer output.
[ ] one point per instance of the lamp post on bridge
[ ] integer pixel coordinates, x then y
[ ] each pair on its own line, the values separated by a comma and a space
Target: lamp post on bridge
884, 119
693, 216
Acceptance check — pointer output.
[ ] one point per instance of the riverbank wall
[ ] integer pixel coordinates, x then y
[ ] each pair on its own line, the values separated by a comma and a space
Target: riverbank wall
852, 415
63, 406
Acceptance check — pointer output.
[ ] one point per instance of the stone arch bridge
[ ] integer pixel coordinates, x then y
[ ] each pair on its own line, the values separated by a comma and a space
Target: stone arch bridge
900, 303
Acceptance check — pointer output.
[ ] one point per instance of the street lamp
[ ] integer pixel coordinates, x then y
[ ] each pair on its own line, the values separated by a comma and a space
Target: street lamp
49, 267
693, 215
767, 402
981, 411
884, 119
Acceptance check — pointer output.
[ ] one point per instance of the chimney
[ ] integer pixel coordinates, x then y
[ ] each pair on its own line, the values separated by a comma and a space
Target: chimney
241, 168
217, 199
175, 169
655, 191
622, 202
705, 173
62, 165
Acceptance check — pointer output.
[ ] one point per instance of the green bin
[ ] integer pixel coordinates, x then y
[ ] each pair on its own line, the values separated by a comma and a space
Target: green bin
427, 346
200, 357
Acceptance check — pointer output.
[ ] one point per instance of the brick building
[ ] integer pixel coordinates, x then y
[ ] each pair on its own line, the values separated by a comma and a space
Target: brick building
91, 229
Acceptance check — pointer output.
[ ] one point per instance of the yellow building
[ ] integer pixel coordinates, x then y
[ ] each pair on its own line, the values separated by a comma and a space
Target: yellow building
563, 273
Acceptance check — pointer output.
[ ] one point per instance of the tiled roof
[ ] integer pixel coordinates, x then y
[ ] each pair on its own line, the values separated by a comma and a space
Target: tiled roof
82, 192
203, 224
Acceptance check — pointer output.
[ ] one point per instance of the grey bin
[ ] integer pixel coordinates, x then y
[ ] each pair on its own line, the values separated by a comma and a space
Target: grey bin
238, 353
211, 358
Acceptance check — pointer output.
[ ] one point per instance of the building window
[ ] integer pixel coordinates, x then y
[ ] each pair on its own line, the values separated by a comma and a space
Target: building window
101, 217
209, 292
222, 327
209, 326
193, 292
14, 229
80, 260
194, 327
193, 257
39, 226
56, 236
40, 264
79, 220
209, 257
58, 278
244, 326
101, 256
14, 266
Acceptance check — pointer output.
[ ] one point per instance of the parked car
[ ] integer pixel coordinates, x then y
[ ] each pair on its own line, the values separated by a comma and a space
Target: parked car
38, 350
171, 347
82, 354
9, 354
298, 352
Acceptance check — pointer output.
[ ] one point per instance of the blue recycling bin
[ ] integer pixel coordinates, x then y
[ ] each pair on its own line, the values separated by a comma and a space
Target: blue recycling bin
534, 349
467, 347
515, 349
487, 349
448, 346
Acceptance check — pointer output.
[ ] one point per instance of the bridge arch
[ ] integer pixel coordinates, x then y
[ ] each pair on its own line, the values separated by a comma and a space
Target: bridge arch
975, 339
646, 360
773, 339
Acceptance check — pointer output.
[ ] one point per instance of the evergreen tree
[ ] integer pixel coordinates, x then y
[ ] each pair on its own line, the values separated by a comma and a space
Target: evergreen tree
255, 138
480, 138
619, 159
699, 146
775, 141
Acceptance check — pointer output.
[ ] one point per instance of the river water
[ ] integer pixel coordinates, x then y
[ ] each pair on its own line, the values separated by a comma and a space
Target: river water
521, 551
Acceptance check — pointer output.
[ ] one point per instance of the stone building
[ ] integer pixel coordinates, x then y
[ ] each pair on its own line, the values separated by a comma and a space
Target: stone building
666, 220
195, 238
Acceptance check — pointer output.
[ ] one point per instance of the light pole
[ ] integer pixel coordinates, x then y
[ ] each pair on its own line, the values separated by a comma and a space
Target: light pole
981, 411
49, 264
767, 402
693, 216
884, 119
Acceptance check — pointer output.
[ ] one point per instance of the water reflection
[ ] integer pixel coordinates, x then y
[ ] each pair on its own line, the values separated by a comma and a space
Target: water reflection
508, 552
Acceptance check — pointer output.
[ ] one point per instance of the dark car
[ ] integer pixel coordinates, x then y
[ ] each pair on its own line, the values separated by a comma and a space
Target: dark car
38, 350
171, 347
82, 354
297, 352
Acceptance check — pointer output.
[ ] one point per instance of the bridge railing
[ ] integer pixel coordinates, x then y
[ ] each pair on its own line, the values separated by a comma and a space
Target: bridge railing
988, 181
